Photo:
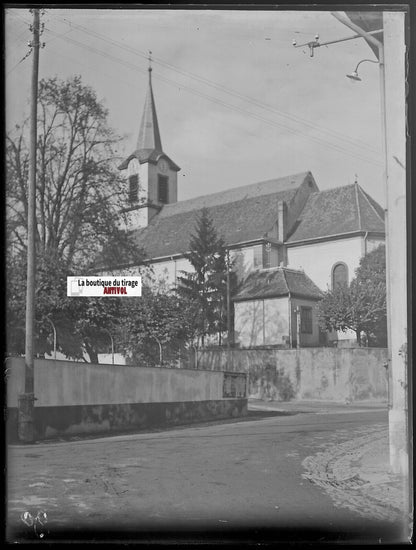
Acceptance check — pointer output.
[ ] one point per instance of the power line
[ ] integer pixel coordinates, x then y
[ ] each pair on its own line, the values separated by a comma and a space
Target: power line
295, 118
337, 147
333, 146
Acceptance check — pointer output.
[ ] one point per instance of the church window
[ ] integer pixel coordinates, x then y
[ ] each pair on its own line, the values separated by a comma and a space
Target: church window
162, 189
133, 188
339, 275
306, 320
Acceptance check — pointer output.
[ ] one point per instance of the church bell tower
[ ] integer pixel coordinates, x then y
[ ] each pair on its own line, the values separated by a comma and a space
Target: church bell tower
151, 176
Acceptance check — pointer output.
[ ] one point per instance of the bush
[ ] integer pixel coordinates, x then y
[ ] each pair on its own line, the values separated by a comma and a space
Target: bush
284, 386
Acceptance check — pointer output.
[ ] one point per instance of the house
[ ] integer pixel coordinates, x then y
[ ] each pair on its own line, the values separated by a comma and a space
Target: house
277, 307
288, 239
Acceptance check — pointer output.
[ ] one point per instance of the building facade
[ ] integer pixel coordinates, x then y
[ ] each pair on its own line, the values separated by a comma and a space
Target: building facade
283, 234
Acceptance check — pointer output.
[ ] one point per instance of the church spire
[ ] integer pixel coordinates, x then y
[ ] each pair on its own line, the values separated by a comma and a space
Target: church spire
149, 135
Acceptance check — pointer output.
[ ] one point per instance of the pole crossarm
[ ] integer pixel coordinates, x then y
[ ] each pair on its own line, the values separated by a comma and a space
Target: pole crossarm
368, 35
316, 44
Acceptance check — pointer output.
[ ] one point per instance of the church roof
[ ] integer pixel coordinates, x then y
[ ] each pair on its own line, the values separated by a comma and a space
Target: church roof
239, 215
149, 144
337, 211
287, 184
149, 135
277, 282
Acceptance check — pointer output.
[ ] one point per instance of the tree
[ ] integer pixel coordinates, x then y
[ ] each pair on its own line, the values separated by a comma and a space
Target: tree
156, 326
78, 187
80, 323
79, 194
205, 290
361, 305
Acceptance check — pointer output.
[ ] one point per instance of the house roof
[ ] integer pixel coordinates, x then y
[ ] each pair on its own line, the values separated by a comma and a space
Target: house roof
277, 282
337, 211
239, 215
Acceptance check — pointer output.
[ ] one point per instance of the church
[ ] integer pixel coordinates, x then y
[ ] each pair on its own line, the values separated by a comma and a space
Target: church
289, 240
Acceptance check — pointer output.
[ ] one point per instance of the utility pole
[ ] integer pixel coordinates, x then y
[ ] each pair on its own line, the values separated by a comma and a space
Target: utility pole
391, 56
27, 399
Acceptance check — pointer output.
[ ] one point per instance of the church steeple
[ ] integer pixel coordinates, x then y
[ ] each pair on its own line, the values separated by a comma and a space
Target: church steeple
149, 135
151, 176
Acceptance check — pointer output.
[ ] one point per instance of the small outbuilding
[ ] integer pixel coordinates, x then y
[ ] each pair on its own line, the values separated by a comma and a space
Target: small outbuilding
274, 307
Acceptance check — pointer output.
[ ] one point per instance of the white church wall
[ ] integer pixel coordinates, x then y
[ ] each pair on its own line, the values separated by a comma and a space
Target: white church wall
170, 270
318, 259
243, 259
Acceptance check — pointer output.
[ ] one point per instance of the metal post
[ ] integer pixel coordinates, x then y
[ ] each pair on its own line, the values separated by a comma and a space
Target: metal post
26, 400
160, 350
297, 310
228, 308
112, 345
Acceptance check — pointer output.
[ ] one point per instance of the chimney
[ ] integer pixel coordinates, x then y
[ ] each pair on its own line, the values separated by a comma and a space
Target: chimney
281, 220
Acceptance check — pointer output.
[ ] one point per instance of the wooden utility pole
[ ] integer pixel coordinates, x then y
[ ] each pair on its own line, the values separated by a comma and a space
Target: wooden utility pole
26, 400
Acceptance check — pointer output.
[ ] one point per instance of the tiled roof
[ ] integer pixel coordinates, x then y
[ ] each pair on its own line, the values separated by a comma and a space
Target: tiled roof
289, 184
239, 215
275, 282
338, 211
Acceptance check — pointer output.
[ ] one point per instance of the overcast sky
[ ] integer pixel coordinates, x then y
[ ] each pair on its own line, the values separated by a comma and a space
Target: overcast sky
237, 103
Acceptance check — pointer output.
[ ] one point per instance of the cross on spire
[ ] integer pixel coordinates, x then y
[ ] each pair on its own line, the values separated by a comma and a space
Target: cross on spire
150, 61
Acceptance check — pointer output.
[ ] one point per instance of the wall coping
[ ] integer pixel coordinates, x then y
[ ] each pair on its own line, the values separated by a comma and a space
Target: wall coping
84, 364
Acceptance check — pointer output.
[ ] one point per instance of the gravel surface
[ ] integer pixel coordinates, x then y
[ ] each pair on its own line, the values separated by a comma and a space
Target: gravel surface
356, 475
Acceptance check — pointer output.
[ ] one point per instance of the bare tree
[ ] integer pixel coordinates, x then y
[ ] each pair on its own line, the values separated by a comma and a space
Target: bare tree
79, 191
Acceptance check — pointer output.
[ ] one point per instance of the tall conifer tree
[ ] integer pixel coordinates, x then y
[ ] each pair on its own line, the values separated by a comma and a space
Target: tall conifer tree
206, 288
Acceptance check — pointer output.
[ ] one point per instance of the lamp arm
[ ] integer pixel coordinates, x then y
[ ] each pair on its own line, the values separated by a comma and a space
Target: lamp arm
362, 61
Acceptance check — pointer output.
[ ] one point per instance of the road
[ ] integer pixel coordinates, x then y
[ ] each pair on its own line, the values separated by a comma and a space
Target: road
226, 480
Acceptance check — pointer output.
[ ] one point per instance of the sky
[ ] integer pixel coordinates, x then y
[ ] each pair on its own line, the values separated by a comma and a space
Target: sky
237, 103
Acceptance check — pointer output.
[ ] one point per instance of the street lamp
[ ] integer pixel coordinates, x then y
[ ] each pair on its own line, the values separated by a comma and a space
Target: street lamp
160, 348
398, 421
228, 306
54, 336
112, 344
354, 75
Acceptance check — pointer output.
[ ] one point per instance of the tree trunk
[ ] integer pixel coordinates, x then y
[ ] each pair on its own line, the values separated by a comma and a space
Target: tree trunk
358, 335
92, 353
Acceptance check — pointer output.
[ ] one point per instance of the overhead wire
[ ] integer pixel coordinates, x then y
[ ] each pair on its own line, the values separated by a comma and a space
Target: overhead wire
295, 118
315, 139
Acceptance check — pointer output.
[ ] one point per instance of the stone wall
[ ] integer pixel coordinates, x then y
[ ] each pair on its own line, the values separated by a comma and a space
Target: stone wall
73, 398
331, 374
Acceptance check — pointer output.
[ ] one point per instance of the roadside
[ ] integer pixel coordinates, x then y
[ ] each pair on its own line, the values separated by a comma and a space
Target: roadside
267, 473
356, 474
315, 406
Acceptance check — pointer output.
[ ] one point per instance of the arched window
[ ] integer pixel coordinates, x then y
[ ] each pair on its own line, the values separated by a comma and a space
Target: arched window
339, 275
